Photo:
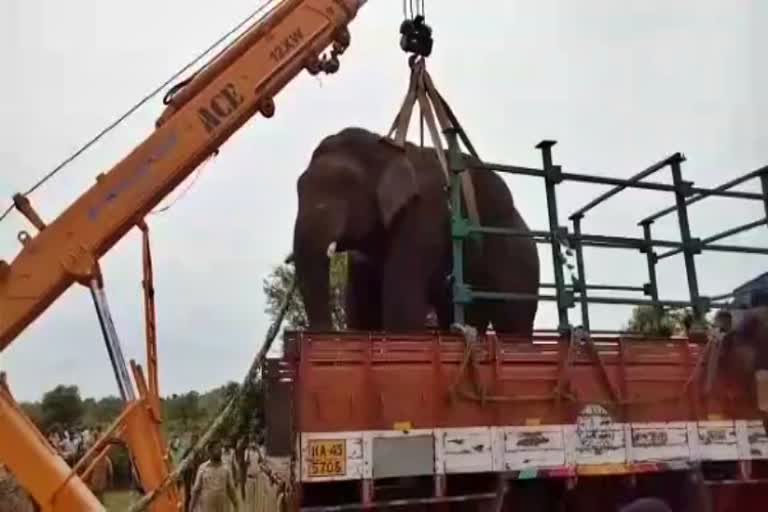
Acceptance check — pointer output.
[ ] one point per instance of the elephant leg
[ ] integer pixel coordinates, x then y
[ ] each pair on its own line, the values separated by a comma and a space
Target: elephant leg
440, 297
414, 256
511, 265
363, 295
516, 320
477, 315
404, 296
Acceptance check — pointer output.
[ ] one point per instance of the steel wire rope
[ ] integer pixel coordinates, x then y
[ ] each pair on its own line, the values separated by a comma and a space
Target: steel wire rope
151, 95
183, 193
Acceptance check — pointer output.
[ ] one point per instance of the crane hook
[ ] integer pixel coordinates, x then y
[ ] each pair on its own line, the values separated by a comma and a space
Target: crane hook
416, 37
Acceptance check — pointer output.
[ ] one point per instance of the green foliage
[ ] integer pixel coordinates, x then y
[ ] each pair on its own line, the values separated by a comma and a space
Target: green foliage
186, 413
184, 409
278, 283
652, 321
34, 412
102, 412
62, 406
248, 419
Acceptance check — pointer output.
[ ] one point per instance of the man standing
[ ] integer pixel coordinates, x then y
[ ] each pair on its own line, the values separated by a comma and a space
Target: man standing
252, 470
190, 472
213, 484
101, 477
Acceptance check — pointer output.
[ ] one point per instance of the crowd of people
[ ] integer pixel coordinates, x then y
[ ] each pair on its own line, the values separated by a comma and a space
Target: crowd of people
73, 445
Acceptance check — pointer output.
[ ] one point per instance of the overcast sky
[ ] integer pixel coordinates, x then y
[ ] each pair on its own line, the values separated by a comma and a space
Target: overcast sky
620, 85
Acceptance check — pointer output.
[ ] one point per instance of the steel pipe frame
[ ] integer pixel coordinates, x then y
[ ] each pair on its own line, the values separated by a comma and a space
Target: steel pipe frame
604, 287
721, 296
631, 243
651, 260
699, 310
578, 214
456, 167
607, 241
706, 243
582, 288
762, 173
551, 179
604, 180
689, 246
628, 301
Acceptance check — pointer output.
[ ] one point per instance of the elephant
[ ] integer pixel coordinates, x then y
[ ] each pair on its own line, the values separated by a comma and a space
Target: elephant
387, 207
744, 356
746, 340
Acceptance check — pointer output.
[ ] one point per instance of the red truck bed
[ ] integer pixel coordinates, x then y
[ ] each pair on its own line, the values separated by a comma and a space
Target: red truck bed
370, 407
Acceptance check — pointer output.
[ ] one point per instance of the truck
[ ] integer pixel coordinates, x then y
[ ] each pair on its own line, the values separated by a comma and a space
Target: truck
575, 418
431, 420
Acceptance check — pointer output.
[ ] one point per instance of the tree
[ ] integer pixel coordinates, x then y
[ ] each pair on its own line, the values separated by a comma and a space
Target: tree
276, 288
62, 406
653, 321
184, 409
34, 412
102, 412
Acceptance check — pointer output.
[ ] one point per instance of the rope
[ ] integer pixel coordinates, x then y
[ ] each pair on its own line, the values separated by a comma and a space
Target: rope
421, 89
184, 192
227, 409
157, 90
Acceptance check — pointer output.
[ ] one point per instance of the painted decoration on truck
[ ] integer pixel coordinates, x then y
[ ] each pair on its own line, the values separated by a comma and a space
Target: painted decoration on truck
467, 450
717, 440
595, 444
597, 438
756, 440
660, 442
532, 447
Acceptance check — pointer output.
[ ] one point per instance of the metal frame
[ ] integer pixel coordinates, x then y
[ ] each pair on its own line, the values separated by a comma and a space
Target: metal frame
558, 237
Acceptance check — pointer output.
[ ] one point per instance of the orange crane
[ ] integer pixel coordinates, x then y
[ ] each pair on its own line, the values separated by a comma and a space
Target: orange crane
200, 117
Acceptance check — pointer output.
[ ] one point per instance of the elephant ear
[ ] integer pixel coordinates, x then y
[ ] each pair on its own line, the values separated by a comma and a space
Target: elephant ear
397, 187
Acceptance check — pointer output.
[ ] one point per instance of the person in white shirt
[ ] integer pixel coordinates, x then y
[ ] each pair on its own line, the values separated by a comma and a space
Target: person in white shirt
88, 439
252, 459
67, 450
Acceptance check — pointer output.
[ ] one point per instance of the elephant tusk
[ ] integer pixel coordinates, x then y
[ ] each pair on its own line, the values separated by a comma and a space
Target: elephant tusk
331, 250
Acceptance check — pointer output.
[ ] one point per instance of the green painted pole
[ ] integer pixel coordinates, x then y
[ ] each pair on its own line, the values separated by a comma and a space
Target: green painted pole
691, 246
553, 176
651, 259
459, 227
582, 288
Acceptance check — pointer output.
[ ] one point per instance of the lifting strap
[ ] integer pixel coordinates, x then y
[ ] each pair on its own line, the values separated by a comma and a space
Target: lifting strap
433, 109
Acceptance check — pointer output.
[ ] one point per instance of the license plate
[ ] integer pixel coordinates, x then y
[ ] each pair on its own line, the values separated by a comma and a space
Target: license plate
327, 458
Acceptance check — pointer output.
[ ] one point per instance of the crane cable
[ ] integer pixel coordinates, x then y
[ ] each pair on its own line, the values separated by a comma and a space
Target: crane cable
157, 90
410, 12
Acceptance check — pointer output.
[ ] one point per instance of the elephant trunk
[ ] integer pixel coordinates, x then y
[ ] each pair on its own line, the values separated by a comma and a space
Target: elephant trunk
316, 238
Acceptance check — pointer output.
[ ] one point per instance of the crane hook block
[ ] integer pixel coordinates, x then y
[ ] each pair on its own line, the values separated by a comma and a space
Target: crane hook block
416, 37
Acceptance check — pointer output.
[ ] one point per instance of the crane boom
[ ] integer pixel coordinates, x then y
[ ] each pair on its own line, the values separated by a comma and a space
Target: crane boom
240, 83
200, 117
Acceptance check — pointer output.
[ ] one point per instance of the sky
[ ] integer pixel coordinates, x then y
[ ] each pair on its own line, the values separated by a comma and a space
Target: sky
620, 85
